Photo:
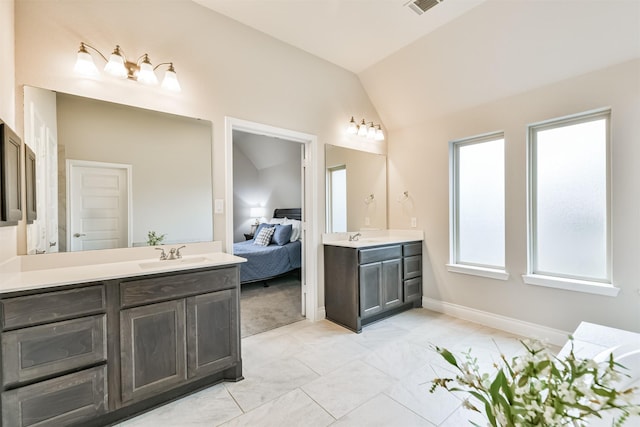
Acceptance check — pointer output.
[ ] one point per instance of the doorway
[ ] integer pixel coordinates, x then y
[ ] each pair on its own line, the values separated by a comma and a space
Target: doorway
99, 205
309, 229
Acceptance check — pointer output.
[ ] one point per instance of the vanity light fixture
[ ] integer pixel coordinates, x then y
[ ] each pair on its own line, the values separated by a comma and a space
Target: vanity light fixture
118, 66
365, 129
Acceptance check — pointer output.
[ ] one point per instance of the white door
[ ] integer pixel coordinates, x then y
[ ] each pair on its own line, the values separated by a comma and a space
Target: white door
99, 199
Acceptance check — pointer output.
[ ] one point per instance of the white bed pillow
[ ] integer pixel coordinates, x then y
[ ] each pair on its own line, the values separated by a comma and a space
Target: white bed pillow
296, 228
276, 221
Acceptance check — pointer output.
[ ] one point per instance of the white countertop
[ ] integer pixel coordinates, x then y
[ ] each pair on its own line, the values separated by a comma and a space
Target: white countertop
371, 238
36, 272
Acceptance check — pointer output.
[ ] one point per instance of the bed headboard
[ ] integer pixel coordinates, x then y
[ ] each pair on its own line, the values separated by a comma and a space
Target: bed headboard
291, 213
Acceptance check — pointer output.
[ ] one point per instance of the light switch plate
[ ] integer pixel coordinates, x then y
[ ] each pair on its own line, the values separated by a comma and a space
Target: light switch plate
218, 206
414, 222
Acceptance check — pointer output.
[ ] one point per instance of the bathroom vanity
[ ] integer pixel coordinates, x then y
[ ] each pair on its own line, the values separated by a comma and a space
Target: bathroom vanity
93, 352
371, 278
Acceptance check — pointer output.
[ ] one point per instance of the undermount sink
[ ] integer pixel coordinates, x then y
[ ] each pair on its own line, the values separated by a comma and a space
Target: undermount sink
173, 262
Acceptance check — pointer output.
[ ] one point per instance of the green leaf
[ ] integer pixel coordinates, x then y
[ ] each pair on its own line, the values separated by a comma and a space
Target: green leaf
523, 381
496, 385
604, 392
448, 356
543, 365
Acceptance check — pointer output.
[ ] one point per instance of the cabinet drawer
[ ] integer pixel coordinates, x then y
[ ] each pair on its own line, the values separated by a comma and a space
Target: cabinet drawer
39, 351
410, 249
66, 400
366, 256
143, 291
412, 266
413, 289
51, 306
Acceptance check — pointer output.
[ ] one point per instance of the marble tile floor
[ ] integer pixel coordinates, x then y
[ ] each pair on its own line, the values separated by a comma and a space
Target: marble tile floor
320, 374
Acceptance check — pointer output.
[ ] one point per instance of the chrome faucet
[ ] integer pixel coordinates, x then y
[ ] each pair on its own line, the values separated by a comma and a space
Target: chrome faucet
175, 253
354, 237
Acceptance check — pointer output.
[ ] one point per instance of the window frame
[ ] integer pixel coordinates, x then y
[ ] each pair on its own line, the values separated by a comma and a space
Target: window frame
535, 276
455, 265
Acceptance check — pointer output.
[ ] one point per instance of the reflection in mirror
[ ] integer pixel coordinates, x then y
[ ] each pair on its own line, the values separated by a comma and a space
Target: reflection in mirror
356, 190
108, 174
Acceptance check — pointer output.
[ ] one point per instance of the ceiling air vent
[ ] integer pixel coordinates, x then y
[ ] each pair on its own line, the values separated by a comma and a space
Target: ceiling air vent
421, 6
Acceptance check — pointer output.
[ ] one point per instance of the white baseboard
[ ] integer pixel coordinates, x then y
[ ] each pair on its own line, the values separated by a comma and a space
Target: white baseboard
507, 324
321, 313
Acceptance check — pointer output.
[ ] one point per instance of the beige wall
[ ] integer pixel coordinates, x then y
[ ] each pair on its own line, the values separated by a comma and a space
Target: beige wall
418, 161
8, 235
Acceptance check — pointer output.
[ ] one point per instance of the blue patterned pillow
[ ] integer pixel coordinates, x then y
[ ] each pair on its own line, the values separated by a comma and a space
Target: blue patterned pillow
260, 227
264, 236
282, 234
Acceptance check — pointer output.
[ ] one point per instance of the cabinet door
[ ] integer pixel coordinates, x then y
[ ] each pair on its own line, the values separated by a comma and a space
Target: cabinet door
153, 348
212, 332
35, 352
370, 289
391, 283
71, 399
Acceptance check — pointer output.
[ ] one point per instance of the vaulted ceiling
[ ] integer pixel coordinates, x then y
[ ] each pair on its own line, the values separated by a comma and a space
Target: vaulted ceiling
456, 55
354, 34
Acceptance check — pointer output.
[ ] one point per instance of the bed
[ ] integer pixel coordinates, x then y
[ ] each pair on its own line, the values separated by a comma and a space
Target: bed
268, 262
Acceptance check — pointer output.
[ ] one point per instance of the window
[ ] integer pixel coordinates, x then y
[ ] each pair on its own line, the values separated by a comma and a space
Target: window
569, 221
477, 206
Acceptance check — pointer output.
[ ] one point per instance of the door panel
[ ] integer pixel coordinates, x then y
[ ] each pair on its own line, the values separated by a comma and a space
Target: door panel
98, 206
153, 348
391, 283
212, 332
370, 287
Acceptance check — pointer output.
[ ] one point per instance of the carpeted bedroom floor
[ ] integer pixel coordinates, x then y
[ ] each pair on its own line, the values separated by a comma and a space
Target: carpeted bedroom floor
262, 309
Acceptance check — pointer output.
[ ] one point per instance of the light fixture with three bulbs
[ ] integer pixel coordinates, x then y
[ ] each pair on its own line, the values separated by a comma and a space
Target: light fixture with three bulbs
118, 66
365, 129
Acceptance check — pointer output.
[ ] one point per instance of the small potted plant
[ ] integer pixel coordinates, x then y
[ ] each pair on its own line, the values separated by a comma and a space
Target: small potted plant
154, 239
539, 389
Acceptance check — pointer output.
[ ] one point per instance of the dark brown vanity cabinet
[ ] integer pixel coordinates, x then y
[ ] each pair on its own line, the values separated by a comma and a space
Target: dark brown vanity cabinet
54, 353
366, 284
168, 343
93, 354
